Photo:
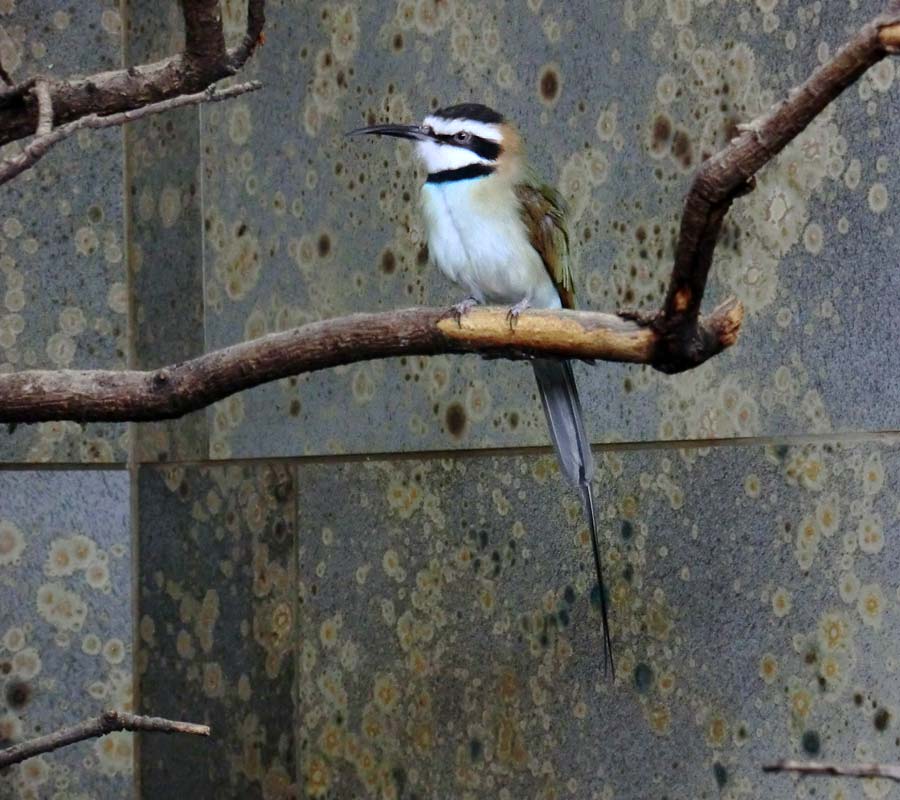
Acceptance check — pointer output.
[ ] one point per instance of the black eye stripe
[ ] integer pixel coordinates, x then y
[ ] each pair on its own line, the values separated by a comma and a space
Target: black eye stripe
487, 149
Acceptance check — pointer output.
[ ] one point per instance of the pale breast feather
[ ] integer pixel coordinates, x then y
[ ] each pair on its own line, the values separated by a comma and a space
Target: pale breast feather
477, 238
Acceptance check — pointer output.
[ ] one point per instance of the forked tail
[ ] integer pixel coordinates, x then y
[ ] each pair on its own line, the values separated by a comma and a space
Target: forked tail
562, 407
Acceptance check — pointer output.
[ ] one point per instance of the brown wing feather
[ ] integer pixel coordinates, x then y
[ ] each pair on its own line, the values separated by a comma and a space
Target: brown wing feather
543, 212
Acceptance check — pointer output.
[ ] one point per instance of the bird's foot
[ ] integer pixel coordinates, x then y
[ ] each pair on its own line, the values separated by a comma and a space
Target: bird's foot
512, 315
462, 308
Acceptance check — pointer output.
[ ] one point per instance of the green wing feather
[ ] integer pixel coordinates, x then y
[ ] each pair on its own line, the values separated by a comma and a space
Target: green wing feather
543, 211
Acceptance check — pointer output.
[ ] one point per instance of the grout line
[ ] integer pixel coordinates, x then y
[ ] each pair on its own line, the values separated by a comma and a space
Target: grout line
64, 466
204, 327
860, 437
134, 525
537, 450
132, 465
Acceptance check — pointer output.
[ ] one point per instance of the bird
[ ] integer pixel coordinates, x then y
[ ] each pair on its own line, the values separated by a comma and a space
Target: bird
498, 232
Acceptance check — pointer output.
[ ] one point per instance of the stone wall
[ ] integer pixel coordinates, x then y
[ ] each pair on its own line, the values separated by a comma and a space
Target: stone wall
421, 622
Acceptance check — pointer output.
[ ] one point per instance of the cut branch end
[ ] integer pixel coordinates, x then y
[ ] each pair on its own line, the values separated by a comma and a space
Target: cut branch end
890, 37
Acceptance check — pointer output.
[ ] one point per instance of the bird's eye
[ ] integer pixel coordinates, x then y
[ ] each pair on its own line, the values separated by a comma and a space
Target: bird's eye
426, 129
463, 137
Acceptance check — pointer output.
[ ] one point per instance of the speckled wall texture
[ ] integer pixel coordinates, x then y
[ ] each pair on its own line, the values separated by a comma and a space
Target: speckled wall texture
422, 626
447, 643
65, 627
63, 284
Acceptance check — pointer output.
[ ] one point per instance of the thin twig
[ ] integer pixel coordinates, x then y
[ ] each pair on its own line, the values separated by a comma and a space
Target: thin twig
107, 722
45, 108
38, 147
888, 771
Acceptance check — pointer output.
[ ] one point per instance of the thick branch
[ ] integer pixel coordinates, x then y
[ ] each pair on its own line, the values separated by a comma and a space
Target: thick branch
204, 62
851, 771
47, 138
203, 34
101, 395
107, 722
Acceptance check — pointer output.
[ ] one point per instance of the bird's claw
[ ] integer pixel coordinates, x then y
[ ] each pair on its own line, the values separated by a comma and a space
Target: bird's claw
512, 314
459, 310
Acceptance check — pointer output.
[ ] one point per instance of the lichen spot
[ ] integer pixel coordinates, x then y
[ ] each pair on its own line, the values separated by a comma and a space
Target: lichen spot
682, 149
549, 84
455, 420
878, 198
679, 11
388, 262
323, 245
660, 134
811, 743
240, 124
18, 693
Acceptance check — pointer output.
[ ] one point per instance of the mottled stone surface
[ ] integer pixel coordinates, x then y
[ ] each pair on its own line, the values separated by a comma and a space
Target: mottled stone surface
619, 102
448, 645
428, 628
166, 246
216, 610
65, 627
62, 236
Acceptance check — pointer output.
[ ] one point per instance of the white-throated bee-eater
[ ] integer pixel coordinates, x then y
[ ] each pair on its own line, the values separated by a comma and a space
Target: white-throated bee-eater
500, 234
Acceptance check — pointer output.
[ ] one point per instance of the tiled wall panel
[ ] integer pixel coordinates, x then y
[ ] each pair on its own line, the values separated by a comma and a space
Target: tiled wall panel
65, 627
449, 643
63, 246
216, 626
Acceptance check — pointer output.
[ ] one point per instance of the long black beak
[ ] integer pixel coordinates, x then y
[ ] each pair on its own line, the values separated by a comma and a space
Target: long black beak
400, 131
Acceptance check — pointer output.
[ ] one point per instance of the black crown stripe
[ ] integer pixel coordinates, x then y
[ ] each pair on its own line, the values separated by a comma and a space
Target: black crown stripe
473, 111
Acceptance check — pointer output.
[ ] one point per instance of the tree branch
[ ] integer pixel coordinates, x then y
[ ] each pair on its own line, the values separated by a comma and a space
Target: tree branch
102, 395
107, 722
256, 21
47, 137
204, 61
852, 771
729, 173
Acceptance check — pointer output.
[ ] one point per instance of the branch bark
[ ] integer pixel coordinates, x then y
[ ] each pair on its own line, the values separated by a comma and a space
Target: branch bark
47, 137
851, 771
204, 61
107, 722
110, 396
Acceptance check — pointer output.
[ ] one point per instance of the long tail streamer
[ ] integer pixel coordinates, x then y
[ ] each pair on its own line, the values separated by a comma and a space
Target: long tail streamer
556, 384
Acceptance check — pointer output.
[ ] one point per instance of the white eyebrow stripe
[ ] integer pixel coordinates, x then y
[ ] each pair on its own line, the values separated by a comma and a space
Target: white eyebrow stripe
450, 126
